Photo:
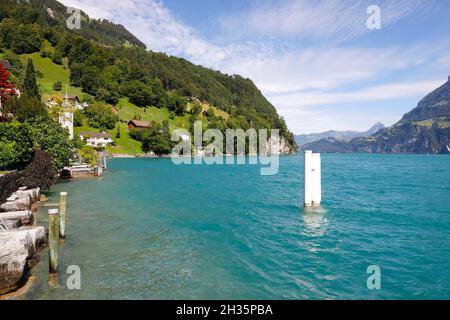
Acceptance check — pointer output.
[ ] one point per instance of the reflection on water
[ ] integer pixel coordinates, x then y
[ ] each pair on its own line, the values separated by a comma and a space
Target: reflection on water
314, 222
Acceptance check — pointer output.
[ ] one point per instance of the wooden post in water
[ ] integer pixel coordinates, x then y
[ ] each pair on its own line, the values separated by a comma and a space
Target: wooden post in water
104, 161
53, 240
62, 214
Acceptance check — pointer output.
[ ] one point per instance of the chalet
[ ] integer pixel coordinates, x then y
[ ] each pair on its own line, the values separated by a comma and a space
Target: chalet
6, 64
68, 101
138, 124
96, 139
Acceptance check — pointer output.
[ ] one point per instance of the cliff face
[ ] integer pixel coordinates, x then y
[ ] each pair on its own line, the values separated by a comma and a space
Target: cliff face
407, 138
425, 129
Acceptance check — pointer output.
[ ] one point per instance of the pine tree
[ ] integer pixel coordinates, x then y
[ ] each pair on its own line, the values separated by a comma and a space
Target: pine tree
118, 132
29, 85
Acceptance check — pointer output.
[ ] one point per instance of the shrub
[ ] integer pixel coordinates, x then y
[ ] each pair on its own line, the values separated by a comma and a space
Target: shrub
40, 172
57, 86
57, 58
89, 156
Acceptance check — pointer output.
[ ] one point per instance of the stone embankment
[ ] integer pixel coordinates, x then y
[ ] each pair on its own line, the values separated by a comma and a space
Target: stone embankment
20, 238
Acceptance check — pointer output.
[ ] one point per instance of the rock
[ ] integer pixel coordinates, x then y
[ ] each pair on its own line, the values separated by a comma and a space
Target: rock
22, 218
9, 224
35, 206
33, 193
20, 204
22, 188
17, 248
12, 198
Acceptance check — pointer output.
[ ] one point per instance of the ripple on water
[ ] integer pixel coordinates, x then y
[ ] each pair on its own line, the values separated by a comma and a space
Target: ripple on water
157, 231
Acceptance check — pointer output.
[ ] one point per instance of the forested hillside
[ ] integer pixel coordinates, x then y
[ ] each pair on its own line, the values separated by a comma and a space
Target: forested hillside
108, 63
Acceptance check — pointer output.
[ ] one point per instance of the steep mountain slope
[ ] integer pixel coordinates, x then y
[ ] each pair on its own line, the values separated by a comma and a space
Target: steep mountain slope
425, 129
337, 135
109, 63
53, 14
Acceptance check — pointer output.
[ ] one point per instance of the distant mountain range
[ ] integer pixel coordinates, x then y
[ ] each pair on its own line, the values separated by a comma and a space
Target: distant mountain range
425, 129
337, 135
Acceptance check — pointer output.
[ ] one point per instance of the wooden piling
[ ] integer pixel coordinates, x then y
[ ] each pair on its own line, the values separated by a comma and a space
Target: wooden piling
62, 214
104, 161
53, 240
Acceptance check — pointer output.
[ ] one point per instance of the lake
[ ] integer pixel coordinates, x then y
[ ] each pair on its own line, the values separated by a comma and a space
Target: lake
151, 230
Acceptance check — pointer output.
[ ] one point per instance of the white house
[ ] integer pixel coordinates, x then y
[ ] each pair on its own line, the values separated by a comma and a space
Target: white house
69, 101
96, 139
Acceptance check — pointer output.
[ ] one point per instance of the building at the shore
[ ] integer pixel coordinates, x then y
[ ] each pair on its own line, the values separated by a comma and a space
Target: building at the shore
96, 139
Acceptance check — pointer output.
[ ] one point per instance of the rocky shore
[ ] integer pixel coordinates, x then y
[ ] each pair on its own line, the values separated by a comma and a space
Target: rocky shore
20, 238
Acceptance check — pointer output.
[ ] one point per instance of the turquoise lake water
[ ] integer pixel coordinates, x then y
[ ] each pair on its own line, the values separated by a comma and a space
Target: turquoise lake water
151, 230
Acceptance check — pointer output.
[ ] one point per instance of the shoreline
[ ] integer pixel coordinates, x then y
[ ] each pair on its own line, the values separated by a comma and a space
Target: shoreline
21, 238
16, 286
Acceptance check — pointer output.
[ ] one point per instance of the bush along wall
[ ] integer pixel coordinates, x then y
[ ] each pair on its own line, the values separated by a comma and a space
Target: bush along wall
9, 183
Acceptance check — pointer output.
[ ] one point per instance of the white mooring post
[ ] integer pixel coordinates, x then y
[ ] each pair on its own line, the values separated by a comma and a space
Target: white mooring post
313, 180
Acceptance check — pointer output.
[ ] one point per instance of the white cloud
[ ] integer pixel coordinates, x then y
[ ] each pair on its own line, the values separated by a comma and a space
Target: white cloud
375, 93
324, 19
295, 80
153, 24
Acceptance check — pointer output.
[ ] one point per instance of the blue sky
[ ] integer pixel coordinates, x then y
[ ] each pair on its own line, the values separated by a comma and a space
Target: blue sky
316, 61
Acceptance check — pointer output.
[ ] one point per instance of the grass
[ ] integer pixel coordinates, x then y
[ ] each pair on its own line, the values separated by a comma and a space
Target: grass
51, 74
126, 110
124, 144
129, 111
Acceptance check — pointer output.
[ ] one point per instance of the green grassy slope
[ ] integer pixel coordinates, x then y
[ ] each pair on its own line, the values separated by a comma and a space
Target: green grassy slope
127, 111
51, 74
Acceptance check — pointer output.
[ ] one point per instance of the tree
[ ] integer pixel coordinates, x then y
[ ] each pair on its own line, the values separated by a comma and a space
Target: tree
118, 133
29, 85
196, 109
50, 137
78, 118
25, 108
101, 116
160, 143
138, 93
57, 57
7, 89
177, 104
26, 39
57, 86
16, 145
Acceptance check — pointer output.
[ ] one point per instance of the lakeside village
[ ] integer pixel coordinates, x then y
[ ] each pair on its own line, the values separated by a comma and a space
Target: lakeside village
38, 143
34, 150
